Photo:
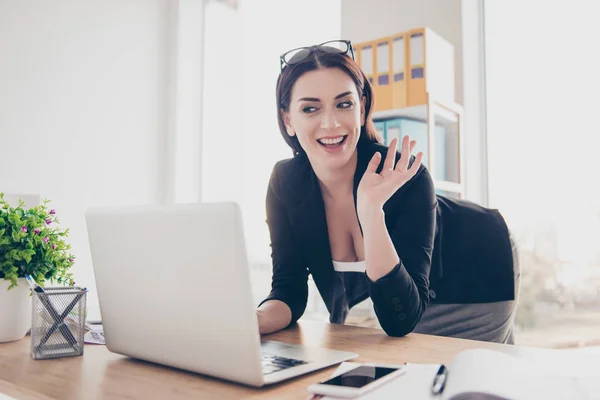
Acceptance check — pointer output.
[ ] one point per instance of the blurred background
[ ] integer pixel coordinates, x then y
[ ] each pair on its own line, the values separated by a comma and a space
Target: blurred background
119, 102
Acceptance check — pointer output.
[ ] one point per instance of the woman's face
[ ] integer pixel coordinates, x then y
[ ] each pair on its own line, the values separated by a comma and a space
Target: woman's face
326, 114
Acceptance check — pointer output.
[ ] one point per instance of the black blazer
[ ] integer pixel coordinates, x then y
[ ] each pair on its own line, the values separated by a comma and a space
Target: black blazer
450, 251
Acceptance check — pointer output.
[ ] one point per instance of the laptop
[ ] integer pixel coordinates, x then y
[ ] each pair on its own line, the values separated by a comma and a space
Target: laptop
174, 288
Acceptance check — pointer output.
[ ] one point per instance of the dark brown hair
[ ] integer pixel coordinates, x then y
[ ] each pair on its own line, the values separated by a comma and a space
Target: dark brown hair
319, 60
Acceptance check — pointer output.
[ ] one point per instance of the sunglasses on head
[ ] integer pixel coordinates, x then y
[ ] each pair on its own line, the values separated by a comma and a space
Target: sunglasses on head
299, 54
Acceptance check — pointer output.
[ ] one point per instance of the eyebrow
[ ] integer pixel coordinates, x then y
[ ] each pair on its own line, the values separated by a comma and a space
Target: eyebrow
315, 99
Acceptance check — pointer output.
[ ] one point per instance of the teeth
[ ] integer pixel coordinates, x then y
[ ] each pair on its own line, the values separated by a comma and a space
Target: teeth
331, 141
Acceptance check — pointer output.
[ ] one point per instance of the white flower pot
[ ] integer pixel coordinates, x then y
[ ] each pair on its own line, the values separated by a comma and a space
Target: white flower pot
15, 306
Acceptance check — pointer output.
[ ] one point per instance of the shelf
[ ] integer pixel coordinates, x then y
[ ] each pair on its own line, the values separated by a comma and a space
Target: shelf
416, 112
444, 112
443, 154
448, 186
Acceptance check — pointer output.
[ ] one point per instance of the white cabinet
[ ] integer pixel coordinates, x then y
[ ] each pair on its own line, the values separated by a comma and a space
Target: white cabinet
437, 128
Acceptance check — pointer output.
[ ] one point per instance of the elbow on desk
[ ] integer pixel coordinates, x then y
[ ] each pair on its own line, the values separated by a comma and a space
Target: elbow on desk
400, 326
295, 318
397, 330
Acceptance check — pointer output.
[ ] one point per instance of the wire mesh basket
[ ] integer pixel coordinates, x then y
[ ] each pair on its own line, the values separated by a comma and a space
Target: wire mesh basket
58, 322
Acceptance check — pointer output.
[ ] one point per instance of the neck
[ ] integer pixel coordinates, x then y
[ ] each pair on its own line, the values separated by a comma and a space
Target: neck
337, 182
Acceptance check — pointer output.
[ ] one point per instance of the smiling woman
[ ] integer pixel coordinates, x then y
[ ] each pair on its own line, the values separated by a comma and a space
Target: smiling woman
363, 218
328, 123
332, 143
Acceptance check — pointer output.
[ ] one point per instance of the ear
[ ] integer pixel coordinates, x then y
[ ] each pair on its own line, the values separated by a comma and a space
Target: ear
285, 115
363, 102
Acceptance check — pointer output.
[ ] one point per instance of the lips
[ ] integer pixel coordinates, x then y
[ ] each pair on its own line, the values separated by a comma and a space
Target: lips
332, 142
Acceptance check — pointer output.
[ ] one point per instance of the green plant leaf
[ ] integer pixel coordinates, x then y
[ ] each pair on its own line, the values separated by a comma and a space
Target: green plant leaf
14, 254
26, 252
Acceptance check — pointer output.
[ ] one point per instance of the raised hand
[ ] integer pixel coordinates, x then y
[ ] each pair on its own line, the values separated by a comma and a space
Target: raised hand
376, 188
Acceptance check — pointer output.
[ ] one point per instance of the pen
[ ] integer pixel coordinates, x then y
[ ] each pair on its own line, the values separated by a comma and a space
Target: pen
439, 382
34, 285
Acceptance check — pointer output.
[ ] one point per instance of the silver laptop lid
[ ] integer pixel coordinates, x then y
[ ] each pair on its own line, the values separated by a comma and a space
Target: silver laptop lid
174, 287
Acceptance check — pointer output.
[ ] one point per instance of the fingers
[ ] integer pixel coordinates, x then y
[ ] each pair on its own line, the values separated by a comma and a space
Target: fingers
374, 163
416, 164
391, 156
404, 154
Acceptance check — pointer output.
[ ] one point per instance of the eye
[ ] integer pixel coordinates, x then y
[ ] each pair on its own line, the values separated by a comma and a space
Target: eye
309, 109
345, 104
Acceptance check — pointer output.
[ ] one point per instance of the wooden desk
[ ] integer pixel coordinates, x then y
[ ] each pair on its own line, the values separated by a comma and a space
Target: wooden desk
99, 374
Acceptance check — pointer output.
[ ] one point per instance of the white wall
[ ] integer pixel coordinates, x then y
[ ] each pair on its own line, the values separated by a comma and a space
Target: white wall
100, 103
363, 21
222, 126
185, 77
83, 107
543, 111
474, 102
241, 141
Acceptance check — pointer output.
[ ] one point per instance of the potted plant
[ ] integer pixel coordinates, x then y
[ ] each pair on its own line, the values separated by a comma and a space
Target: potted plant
31, 243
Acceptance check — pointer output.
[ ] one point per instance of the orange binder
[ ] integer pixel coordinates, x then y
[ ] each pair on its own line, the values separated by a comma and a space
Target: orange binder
406, 67
417, 91
383, 73
430, 67
399, 68
364, 57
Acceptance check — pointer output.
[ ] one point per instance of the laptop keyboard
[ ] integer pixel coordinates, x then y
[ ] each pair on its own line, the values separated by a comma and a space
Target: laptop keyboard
271, 363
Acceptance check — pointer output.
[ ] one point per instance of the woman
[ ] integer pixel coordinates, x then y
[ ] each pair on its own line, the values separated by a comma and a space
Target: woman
365, 220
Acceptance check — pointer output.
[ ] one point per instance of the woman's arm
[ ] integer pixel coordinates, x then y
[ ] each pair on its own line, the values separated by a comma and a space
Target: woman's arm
380, 253
399, 259
273, 315
398, 247
289, 288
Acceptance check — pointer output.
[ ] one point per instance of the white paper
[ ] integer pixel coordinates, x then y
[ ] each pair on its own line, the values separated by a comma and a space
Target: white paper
487, 372
579, 364
415, 383
95, 335
506, 376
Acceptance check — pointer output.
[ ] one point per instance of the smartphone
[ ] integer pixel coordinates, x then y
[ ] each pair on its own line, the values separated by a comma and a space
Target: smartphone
357, 381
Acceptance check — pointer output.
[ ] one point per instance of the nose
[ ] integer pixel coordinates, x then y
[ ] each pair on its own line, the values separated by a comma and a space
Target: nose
329, 121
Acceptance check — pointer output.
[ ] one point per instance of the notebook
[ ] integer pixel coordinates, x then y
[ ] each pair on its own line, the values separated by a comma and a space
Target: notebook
479, 374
